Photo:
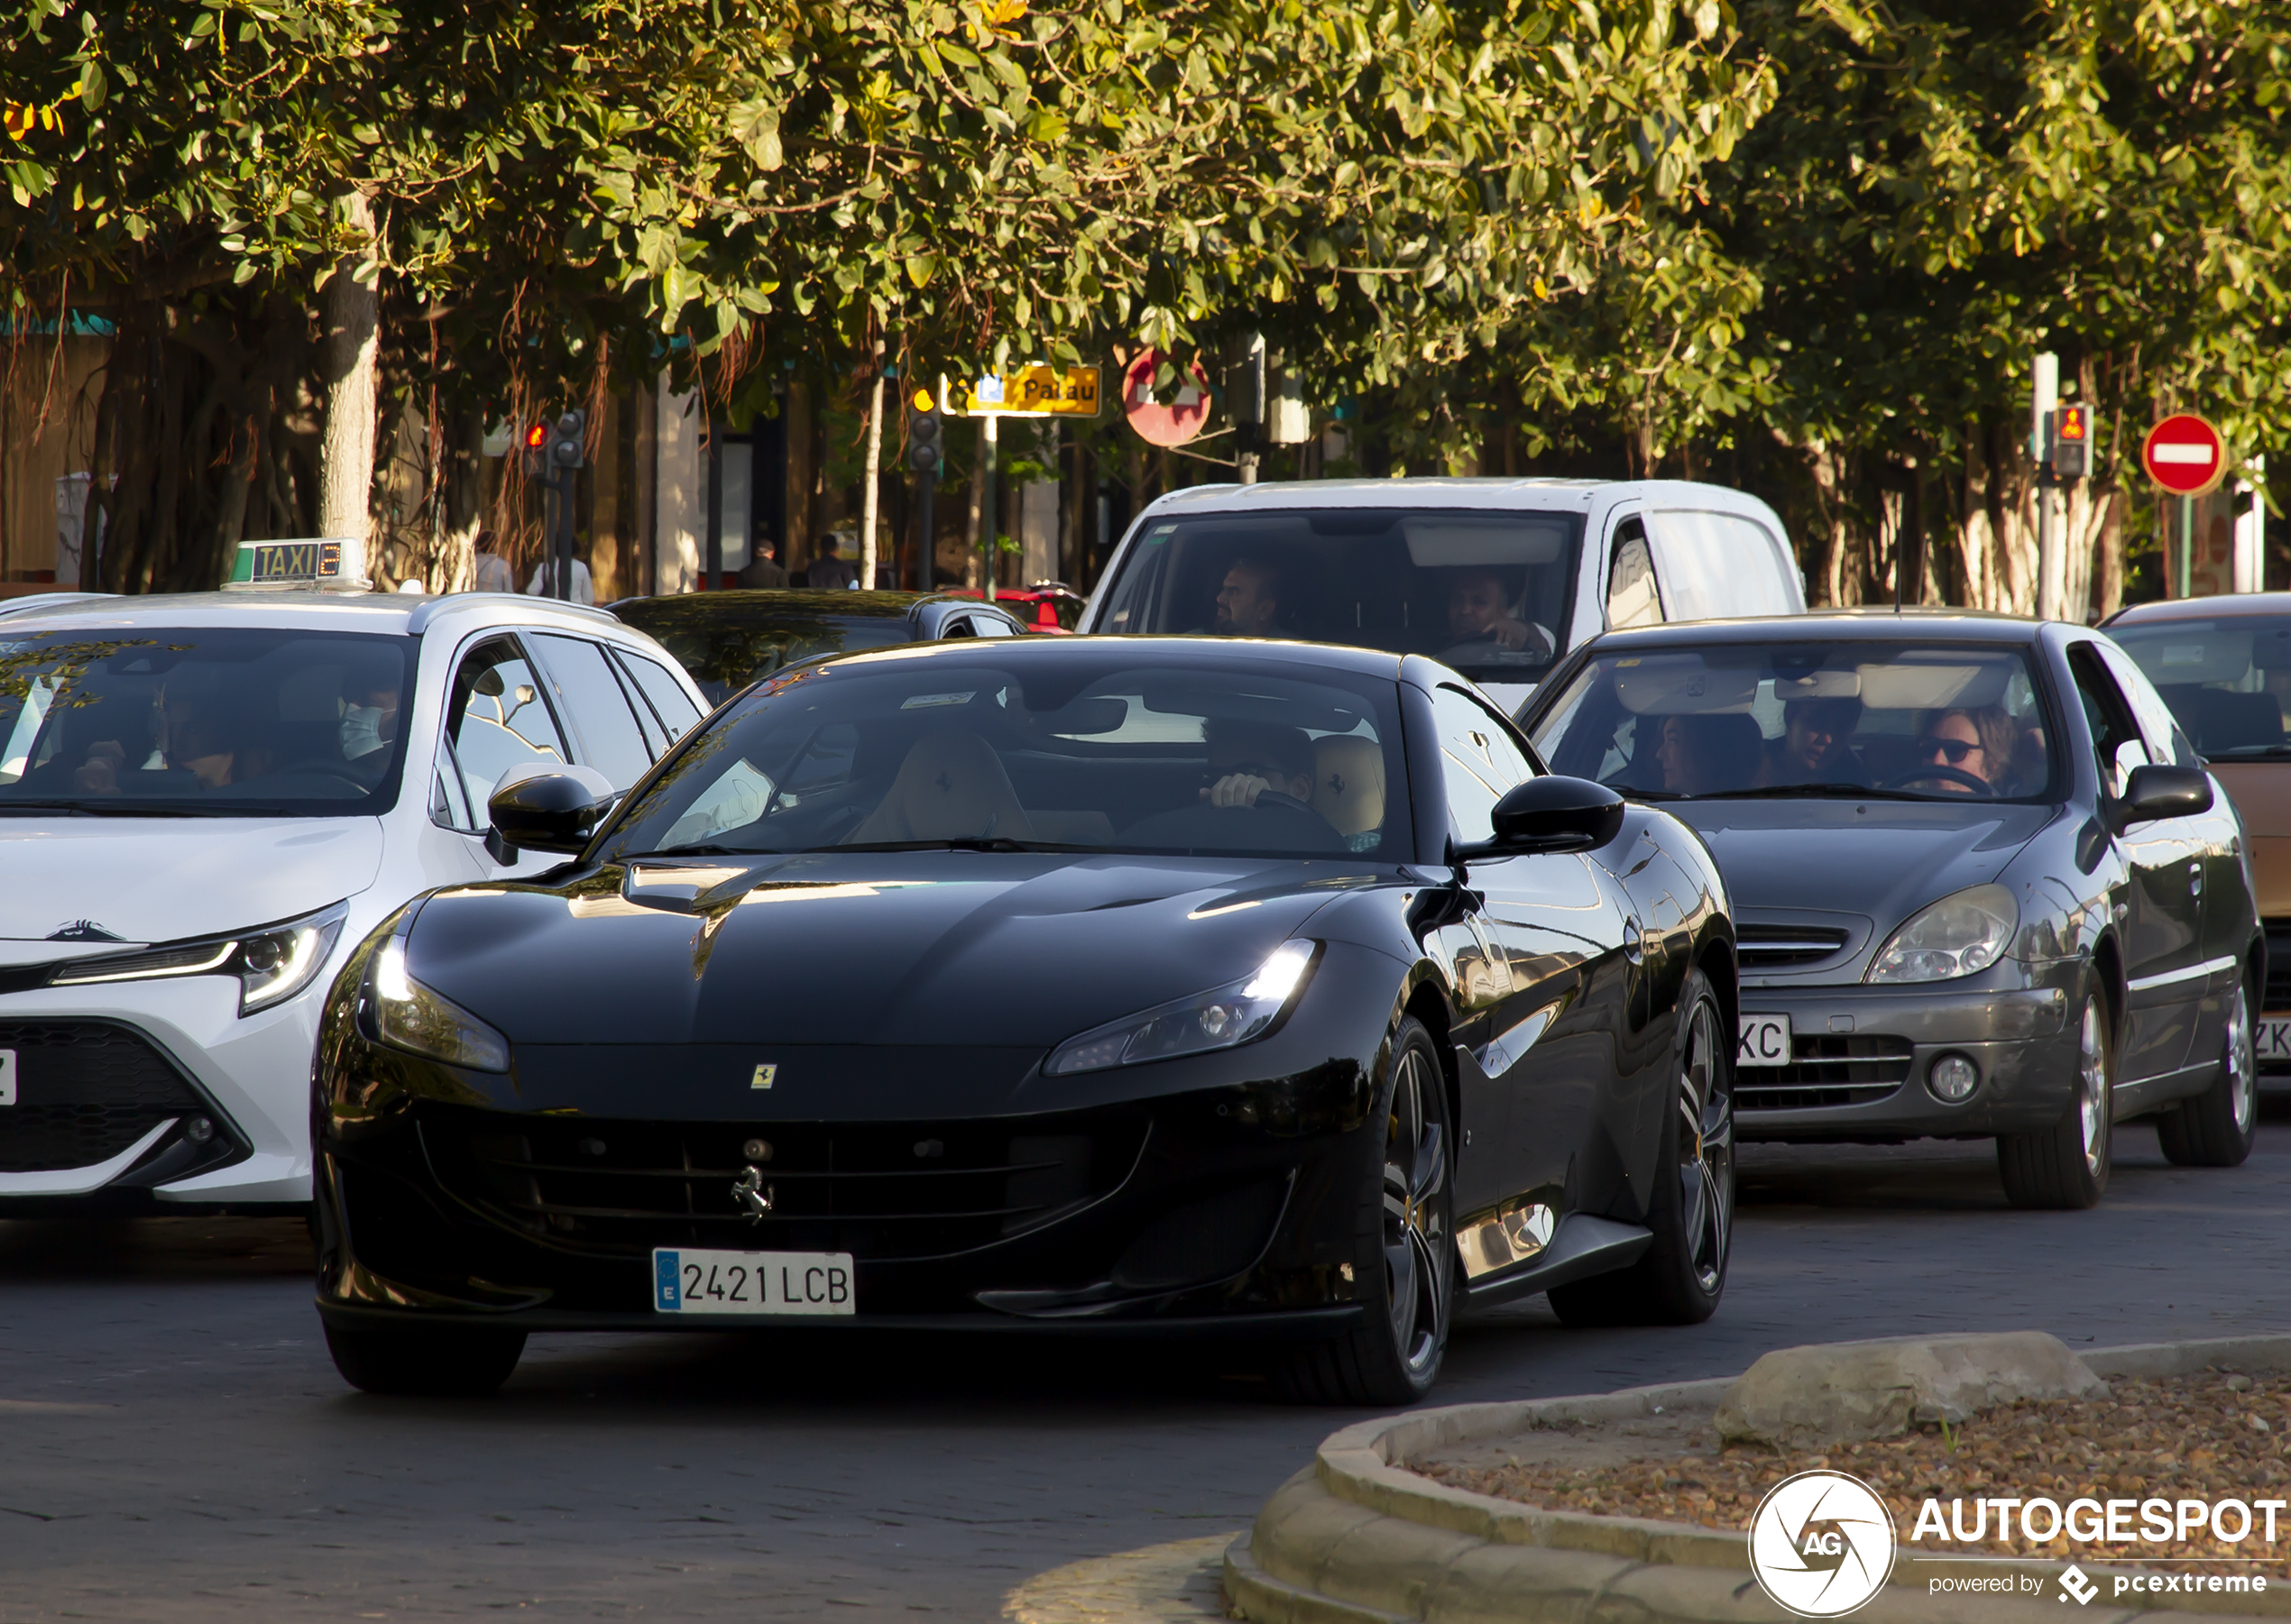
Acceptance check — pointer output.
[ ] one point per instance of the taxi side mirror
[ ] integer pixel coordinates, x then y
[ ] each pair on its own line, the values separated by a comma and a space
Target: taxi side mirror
555, 811
2164, 792
1551, 814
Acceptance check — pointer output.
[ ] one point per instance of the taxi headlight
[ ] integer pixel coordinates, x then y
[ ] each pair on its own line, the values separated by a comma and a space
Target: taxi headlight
1958, 935
422, 1020
1221, 1018
272, 964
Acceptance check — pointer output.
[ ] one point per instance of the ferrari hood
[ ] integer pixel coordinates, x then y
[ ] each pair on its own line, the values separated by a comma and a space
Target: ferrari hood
1878, 859
897, 948
161, 879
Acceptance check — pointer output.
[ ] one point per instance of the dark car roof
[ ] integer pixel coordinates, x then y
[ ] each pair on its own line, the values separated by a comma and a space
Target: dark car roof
777, 603
2204, 608
1833, 626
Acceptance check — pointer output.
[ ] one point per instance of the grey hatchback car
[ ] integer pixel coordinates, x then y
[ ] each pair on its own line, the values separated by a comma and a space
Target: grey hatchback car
1983, 884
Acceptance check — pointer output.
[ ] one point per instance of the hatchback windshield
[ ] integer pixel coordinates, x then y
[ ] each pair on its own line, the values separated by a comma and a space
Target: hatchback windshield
727, 643
1798, 719
2228, 681
1104, 753
240, 721
1484, 592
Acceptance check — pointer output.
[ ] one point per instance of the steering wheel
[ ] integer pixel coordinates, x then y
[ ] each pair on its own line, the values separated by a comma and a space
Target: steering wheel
1941, 770
1281, 798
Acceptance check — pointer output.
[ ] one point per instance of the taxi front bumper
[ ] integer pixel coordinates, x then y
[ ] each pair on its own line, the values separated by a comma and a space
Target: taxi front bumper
114, 1080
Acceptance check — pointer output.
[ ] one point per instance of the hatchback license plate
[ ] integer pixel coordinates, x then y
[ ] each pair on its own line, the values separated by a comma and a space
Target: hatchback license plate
687, 1280
2271, 1038
1762, 1041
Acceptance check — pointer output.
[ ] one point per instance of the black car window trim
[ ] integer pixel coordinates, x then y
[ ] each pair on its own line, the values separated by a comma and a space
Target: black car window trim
627, 660
574, 731
457, 697
2091, 675
649, 723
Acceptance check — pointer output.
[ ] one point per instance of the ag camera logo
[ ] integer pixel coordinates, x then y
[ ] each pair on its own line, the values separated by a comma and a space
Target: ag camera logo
1821, 1543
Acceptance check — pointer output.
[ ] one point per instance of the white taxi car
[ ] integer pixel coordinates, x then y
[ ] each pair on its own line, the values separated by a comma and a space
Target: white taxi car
205, 801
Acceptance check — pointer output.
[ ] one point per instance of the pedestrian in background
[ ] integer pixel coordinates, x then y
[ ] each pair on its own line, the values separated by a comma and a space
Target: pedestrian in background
829, 570
489, 571
543, 585
764, 571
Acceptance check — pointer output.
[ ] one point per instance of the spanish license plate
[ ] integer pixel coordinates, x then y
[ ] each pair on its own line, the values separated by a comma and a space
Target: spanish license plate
1762, 1041
7, 1076
687, 1280
2271, 1038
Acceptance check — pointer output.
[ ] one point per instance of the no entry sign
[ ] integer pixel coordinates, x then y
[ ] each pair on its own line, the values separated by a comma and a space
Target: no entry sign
2184, 455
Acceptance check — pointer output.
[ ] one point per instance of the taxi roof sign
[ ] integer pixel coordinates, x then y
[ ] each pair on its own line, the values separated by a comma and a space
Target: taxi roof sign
332, 563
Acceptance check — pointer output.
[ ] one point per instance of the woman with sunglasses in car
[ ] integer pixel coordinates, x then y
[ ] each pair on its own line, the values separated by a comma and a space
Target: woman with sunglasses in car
1978, 740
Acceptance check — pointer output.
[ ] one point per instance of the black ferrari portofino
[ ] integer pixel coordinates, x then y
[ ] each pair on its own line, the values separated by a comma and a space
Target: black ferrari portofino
1149, 985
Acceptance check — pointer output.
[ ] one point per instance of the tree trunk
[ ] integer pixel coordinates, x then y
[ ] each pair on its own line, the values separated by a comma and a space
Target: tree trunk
872, 481
351, 317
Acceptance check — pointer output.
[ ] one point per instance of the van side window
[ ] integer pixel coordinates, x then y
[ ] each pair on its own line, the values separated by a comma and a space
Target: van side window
1632, 597
1718, 564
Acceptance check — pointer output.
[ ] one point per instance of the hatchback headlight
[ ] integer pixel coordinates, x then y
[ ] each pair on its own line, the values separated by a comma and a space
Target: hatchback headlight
1220, 1018
1961, 933
272, 964
422, 1020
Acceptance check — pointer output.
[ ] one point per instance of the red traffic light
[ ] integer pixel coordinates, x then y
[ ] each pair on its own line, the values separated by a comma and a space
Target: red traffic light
2073, 423
536, 437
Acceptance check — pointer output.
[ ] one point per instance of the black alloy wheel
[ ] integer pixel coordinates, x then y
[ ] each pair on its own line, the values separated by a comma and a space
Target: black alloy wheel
1405, 1253
1679, 1278
447, 1362
2065, 1167
2216, 1128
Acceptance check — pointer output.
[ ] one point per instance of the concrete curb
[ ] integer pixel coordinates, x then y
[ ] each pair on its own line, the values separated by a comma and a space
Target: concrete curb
1356, 1540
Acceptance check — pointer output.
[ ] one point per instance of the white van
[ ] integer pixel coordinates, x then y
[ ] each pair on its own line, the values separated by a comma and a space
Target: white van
1496, 578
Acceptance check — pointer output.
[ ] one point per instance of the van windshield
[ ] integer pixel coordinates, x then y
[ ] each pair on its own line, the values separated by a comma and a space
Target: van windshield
1485, 592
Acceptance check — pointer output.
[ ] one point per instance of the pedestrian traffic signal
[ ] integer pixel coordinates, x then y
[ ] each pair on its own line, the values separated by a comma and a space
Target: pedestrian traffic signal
926, 435
565, 448
537, 442
2069, 442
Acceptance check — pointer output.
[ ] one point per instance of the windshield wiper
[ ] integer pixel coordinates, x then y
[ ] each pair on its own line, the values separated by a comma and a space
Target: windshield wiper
2248, 751
1628, 793
1781, 790
151, 808
955, 843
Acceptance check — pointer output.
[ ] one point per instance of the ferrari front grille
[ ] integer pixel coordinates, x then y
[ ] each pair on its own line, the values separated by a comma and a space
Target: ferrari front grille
877, 1190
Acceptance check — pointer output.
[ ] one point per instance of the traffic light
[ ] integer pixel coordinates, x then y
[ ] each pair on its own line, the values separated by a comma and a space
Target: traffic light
2069, 442
537, 441
926, 435
566, 444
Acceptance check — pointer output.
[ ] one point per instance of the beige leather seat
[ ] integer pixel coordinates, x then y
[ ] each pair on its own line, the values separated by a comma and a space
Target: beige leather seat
1348, 783
951, 784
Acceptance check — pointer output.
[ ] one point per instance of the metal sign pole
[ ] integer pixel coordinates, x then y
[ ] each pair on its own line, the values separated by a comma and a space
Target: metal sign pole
2188, 546
990, 445
2047, 399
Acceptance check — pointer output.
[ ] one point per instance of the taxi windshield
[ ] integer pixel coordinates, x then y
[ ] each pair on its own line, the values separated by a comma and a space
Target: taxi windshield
1485, 592
1102, 752
1924, 722
235, 721
2228, 681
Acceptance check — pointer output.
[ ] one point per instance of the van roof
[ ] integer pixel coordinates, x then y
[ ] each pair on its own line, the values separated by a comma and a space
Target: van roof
1524, 494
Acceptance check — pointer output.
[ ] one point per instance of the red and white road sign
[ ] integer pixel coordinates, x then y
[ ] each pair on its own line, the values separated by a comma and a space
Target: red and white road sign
2184, 455
1165, 425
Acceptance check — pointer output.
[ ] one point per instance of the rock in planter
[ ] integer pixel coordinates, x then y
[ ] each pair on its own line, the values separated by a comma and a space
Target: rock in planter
1847, 1391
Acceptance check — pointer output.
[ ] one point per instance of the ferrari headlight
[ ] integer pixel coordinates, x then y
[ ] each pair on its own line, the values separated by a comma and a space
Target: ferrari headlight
272, 964
1220, 1018
422, 1020
1961, 933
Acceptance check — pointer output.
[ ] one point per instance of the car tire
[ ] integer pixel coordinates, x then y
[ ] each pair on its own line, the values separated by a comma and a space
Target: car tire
1405, 1250
2216, 1128
1679, 1279
2065, 1167
433, 1364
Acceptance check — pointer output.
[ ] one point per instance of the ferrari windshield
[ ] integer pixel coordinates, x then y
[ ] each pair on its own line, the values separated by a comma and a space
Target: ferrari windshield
240, 721
1485, 592
2227, 680
1804, 719
1094, 749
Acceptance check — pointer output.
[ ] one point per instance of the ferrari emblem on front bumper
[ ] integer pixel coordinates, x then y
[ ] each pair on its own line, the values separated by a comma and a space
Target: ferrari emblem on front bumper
751, 1194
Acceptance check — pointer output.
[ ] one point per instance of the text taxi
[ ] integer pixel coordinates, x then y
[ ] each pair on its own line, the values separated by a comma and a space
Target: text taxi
205, 801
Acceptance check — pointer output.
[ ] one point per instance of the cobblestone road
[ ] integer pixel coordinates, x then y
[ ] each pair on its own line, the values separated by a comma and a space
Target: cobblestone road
175, 1445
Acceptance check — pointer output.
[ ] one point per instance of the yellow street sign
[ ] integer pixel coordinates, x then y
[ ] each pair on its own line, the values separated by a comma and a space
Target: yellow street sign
1034, 391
